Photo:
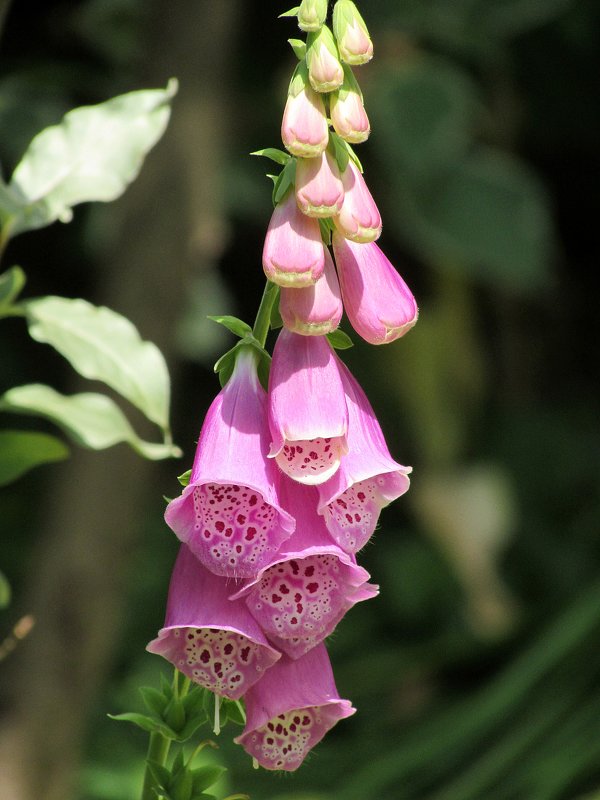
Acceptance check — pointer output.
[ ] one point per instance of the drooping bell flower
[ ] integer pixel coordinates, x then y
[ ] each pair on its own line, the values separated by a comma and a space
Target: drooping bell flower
316, 310
319, 189
352, 35
368, 478
291, 710
324, 69
347, 111
304, 128
213, 640
379, 304
229, 515
311, 15
359, 219
293, 250
302, 595
308, 417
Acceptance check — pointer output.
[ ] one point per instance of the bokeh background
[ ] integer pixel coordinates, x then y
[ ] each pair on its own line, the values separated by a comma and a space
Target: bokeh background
477, 671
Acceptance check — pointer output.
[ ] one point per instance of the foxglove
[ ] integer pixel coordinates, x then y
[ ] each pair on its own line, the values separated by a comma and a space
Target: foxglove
368, 478
347, 111
304, 128
311, 15
229, 515
324, 69
352, 35
359, 218
315, 310
319, 189
291, 709
213, 640
311, 583
308, 417
293, 250
379, 304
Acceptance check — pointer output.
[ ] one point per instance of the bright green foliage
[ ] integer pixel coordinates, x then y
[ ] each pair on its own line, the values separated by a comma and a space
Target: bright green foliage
93, 154
20, 451
92, 420
102, 345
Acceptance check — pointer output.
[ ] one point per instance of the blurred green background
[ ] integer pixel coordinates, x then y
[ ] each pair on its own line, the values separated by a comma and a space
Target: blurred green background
476, 673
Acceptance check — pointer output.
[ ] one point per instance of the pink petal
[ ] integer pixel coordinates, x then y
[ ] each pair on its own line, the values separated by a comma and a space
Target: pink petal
315, 310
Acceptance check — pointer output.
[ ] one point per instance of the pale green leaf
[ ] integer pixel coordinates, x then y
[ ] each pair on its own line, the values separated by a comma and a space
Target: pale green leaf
92, 420
21, 451
340, 340
103, 345
233, 324
93, 154
276, 155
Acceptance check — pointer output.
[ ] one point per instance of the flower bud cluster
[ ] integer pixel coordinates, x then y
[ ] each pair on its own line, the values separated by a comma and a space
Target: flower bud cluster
288, 484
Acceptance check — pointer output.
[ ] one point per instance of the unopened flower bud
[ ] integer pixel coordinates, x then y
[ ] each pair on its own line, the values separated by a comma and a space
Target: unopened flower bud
351, 33
347, 111
319, 190
315, 310
312, 14
359, 218
304, 128
324, 69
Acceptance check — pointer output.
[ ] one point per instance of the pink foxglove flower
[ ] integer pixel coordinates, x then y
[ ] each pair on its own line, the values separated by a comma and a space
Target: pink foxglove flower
300, 598
319, 190
291, 710
316, 310
368, 478
324, 69
352, 35
229, 515
347, 111
379, 304
213, 640
304, 128
359, 218
293, 251
308, 417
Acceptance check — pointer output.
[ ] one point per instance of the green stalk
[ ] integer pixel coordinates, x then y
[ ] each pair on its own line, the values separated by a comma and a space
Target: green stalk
158, 750
263, 315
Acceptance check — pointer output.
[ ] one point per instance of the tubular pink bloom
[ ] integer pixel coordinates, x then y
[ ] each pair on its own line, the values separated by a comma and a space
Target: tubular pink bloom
311, 583
291, 709
319, 190
352, 35
293, 251
359, 218
368, 478
347, 111
308, 417
304, 128
211, 639
324, 69
316, 310
229, 515
379, 305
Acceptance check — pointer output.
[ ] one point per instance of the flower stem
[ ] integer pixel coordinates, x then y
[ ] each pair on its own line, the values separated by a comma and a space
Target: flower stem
158, 750
263, 315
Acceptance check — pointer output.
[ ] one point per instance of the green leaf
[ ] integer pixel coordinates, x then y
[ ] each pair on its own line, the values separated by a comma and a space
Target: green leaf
285, 181
340, 340
299, 48
278, 156
5, 592
340, 151
184, 478
92, 420
154, 700
21, 451
233, 324
205, 777
103, 345
234, 712
193, 702
93, 154
146, 723
11, 284
293, 12
160, 774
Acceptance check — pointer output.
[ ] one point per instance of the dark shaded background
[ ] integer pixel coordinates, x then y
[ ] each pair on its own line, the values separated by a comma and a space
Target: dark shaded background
476, 672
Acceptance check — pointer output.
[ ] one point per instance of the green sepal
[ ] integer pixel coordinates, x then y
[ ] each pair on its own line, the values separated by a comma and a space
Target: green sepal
154, 700
184, 478
233, 711
193, 702
293, 12
146, 723
285, 181
276, 320
174, 714
327, 228
299, 48
276, 155
340, 151
165, 686
340, 340
160, 774
233, 324
11, 285
204, 777
204, 797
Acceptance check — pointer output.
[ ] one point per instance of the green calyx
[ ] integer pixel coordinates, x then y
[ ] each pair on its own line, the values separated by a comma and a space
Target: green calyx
312, 15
